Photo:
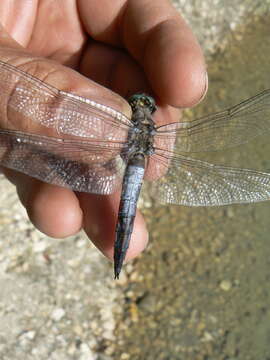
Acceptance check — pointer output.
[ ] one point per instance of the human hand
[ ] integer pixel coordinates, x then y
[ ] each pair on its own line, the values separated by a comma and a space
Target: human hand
125, 46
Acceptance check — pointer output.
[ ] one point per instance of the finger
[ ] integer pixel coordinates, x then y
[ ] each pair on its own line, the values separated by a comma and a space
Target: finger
113, 68
100, 219
159, 39
165, 46
53, 210
5, 39
58, 212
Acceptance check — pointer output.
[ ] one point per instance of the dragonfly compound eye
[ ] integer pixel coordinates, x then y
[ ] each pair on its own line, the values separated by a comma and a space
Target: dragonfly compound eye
142, 100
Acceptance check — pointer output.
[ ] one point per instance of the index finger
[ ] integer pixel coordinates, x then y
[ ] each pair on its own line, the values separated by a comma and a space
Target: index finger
157, 36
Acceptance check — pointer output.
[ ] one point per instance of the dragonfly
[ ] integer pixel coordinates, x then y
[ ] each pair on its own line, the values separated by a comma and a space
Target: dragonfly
91, 147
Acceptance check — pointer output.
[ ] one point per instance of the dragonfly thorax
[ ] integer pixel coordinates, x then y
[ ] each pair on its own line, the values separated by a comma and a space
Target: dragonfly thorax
141, 135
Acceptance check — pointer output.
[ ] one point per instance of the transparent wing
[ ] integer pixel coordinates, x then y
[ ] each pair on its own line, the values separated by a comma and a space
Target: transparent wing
65, 112
225, 129
86, 166
196, 183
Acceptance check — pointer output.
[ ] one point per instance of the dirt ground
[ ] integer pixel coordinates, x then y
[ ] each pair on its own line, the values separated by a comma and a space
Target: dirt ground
200, 291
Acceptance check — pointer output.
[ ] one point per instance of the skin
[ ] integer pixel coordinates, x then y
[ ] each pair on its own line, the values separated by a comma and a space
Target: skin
109, 49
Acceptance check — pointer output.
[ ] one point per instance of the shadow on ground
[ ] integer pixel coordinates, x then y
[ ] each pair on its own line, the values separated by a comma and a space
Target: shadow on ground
200, 291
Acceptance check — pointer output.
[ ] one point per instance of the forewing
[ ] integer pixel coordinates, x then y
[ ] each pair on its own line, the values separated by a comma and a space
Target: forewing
196, 183
83, 165
225, 129
64, 112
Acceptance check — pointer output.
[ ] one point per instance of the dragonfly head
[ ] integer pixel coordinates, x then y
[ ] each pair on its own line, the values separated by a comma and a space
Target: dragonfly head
142, 100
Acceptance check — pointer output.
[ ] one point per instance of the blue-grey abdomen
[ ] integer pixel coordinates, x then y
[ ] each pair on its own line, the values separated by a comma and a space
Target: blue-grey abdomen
131, 188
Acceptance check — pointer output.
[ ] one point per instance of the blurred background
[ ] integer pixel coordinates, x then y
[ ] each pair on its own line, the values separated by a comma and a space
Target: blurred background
201, 289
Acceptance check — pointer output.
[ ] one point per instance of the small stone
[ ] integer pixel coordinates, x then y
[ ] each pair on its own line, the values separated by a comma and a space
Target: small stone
230, 213
81, 243
58, 314
78, 330
213, 319
134, 276
134, 312
125, 356
122, 279
86, 353
225, 285
39, 246
207, 337
30, 334
71, 350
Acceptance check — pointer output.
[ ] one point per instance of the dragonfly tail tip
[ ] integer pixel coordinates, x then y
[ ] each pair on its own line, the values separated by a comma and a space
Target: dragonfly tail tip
116, 275
118, 262
117, 270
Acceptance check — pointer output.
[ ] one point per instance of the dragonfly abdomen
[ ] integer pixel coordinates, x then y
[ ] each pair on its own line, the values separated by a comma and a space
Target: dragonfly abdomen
131, 188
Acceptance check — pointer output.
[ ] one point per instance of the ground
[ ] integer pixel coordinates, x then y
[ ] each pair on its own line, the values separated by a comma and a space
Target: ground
200, 290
